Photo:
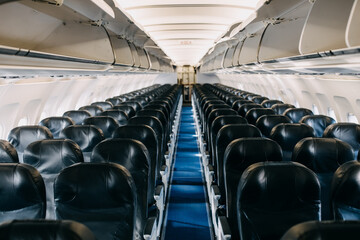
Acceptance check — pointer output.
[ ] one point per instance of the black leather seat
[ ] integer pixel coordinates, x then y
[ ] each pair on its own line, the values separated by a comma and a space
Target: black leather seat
114, 101
270, 103
108, 125
255, 113
49, 157
324, 230
56, 124
295, 114
225, 136
130, 111
8, 153
280, 108
100, 195
22, 192
155, 113
287, 135
318, 122
104, 105
267, 122
135, 105
323, 156
345, 192
78, 116
272, 197
118, 115
86, 136
239, 155
259, 99
246, 107
93, 110
21, 137
237, 104
348, 132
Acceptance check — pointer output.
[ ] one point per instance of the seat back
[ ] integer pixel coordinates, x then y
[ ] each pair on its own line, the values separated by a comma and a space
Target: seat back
348, 132
107, 124
259, 99
255, 113
239, 155
92, 109
104, 105
295, 114
114, 101
135, 105
86, 136
225, 136
237, 104
318, 122
56, 124
118, 115
49, 157
323, 156
270, 103
154, 113
22, 192
214, 114
102, 196
272, 197
246, 107
130, 112
267, 122
21, 137
8, 153
288, 134
78, 116
280, 108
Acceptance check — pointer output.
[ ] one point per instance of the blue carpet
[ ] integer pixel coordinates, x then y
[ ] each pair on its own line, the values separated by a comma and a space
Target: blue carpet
187, 216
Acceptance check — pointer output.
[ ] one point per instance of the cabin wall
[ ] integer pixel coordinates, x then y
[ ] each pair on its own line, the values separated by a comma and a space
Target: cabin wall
26, 101
333, 95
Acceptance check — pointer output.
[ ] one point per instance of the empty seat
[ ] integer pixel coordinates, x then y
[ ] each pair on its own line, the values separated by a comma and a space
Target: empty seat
348, 132
92, 109
318, 122
86, 136
270, 103
280, 108
100, 195
49, 157
104, 105
56, 124
214, 114
255, 113
107, 124
114, 101
288, 134
118, 115
246, 107
8, 153
78, 116
239, 155
155, 113
22, 192
345, 192
272, 197
130, 112
267, 122
295, 114
325, 230
259, 100
21, 137
135, 105
237, 104
323, 156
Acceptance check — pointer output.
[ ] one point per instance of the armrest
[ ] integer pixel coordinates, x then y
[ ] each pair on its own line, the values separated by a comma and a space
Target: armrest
215, 192
163, 170
224, 229
150, 229
159, 196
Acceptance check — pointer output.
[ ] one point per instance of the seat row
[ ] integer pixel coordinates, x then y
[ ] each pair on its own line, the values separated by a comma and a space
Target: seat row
253, 176
120, 190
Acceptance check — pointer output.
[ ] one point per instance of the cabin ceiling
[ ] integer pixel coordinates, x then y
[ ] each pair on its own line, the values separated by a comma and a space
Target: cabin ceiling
186, 29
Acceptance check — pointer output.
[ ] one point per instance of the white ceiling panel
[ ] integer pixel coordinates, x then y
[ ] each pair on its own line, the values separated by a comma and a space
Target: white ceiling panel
185, 30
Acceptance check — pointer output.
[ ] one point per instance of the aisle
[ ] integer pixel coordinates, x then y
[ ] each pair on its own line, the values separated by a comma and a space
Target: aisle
187, 216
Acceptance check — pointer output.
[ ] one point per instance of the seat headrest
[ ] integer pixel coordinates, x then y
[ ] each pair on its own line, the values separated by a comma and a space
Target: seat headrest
142, 100
8, 153
288, 134
130, 112
255, 113
155, 113
21, 137
93, 110
56, 124
246, 107
219, 112
86, 136
114, 101
318, 122
104, 105
45, 229
280, 108
267, 122
223, 120
135, 105
150, 121
270, 103
52, 155
120, 116
259, 99
237, 104
295, 114
324, 230
322, 155
142, 133
232, 99
348, 132
21, 187
107, 124
78, 116
231, 132
159, 108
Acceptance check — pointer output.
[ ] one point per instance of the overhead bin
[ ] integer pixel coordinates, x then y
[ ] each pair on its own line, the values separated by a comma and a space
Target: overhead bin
123, 55
228, 60
235, 60
144, 61
154, 63
325, 26
135, 55
353, 27
250, 48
